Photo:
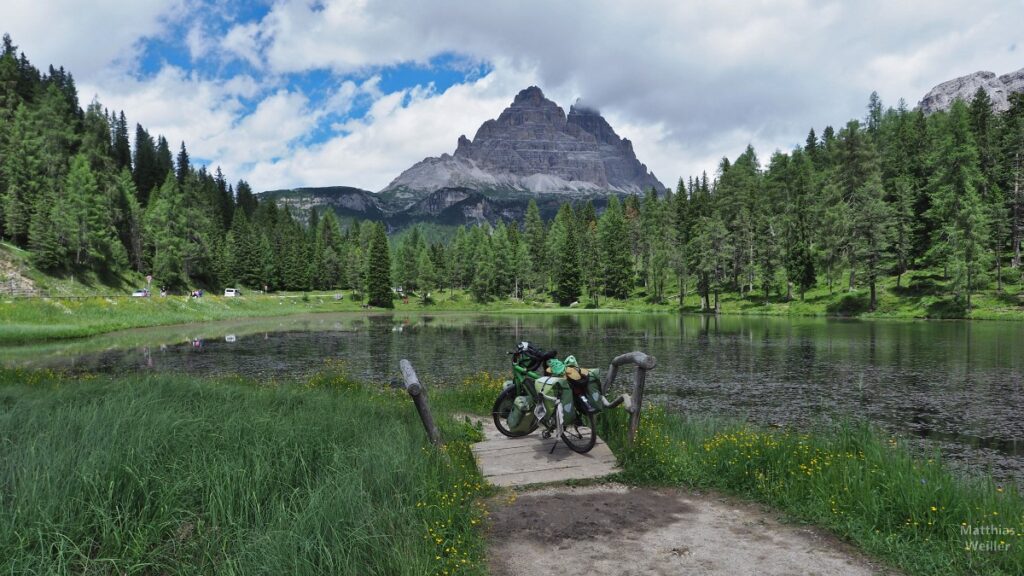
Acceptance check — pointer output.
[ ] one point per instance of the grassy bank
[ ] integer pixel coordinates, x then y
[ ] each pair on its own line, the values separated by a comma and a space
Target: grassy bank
33, 319
163, 474
861, 485
166, 475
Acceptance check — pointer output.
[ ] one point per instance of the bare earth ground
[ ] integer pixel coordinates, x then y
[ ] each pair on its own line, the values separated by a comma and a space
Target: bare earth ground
614, 529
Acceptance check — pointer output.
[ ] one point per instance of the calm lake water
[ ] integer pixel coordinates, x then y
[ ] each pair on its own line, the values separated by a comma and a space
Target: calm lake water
955, 386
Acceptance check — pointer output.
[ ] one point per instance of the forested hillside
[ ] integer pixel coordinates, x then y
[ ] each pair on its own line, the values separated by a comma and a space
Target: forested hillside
894, 192
81, 199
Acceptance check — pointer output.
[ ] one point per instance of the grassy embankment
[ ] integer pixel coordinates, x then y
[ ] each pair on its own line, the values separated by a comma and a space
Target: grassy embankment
850, 479
28, 319
163, 474
168, 475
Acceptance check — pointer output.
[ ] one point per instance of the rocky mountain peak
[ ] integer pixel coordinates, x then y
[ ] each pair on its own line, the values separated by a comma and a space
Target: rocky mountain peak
533, 146
999, 89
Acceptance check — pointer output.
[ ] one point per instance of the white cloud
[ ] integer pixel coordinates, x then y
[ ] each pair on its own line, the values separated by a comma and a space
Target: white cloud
400, 128
692, 75
197, 41
242, 41
687, 82
85, 39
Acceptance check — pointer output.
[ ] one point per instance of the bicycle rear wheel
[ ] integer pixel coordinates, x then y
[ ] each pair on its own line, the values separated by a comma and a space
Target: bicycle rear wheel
581, 436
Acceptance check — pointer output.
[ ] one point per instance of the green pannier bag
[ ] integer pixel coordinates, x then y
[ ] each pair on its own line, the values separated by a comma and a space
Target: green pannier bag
521, 418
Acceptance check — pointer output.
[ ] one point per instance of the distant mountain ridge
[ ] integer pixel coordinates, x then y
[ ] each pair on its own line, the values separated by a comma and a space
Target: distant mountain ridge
534, 147
533, 150
999, 89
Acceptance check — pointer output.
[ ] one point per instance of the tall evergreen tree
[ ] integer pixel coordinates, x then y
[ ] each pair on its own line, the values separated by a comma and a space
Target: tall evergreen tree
957, 206
536, 240
378, 270
615, 259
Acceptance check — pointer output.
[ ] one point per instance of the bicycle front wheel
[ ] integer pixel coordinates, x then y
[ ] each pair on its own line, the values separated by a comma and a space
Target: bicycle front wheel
502, 407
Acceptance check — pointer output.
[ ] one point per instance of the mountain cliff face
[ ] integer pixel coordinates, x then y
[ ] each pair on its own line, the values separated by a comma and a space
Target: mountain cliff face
999, 89
533, 147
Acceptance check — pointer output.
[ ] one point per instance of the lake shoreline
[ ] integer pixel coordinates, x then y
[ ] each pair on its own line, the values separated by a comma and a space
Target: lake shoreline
34, 320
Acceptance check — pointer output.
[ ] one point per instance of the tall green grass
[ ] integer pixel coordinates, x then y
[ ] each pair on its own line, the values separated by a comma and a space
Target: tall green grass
864, 486
167, 475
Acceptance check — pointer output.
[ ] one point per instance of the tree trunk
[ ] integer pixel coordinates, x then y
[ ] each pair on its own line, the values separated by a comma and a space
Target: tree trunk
789, 290
874, 302
853, 277
999, 271
1016, 214
682, 290
968, 288
716, 301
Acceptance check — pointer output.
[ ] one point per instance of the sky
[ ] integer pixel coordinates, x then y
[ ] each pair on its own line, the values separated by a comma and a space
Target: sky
292, 93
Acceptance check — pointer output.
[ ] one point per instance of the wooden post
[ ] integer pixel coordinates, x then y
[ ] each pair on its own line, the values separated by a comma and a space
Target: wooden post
643, 363
639, 380
419, 398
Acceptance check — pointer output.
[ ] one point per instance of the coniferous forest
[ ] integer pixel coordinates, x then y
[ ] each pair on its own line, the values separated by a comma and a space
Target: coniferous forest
894, 192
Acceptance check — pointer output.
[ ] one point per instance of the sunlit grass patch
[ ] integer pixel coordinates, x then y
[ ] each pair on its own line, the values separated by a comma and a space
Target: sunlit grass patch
864, 486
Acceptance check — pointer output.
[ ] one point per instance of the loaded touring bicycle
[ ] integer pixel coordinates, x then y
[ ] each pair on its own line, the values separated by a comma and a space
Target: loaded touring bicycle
557, 394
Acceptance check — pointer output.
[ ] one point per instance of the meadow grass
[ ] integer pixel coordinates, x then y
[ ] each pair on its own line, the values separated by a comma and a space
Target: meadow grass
853, 480
172, 475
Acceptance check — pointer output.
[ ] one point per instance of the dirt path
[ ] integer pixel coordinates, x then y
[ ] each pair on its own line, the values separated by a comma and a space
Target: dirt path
614, 529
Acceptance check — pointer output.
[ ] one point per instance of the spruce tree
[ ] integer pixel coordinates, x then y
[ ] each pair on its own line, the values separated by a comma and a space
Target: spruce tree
565, 252
535, 234
956, 205
426, 275
615, 260
378, 270
482, 285
22, 166
121, 146
145, 171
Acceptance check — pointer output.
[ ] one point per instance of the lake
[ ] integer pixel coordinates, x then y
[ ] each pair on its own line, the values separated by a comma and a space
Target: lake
955, 386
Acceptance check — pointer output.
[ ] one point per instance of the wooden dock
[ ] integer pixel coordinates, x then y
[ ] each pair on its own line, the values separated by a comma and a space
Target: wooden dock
523, 461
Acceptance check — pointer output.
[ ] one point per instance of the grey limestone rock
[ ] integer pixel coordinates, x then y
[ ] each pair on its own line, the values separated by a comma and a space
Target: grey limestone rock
533, 146
999, 89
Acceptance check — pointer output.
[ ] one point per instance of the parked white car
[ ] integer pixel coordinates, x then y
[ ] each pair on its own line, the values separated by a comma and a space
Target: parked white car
141, 293
232, 292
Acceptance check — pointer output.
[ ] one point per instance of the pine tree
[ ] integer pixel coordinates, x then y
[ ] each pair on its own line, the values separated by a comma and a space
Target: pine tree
426, 274
145, 171
957, 207
536, 240
164, 225
565, 252
164, 159
22, 167
378, 271
590, 253
122, 149
129, 218
871, 232
482, 284
615, 259
183, 165
245, 201
91, 234
798, 257
683, 225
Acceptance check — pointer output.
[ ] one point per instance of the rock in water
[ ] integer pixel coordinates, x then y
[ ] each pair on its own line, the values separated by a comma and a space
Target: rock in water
533, 147
963, 88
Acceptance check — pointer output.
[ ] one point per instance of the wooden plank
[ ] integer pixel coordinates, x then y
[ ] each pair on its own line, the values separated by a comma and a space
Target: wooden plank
523, 461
